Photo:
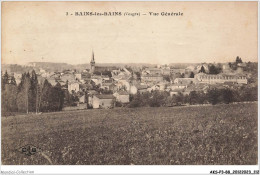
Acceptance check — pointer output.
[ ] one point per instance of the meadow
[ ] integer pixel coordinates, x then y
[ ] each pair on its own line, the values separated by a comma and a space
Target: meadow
224, 134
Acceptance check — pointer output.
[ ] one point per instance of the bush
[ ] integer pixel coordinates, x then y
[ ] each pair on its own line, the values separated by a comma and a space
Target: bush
134, 104
118, 104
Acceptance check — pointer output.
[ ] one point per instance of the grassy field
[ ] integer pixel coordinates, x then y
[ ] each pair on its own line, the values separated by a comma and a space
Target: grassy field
213, 135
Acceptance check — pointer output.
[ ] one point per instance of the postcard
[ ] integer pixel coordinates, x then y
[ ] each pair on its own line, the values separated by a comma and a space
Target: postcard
130, 83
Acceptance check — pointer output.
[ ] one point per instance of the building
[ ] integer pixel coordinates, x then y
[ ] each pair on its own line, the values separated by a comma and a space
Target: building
205, 66
133, 89
103, 101
154, 71
52, 81
197, 88
157, 87
73, 87
105, 86
62, 83
184, 81
226, 68
220, 78
78, 76
178, 86
122, 96
152, 78
141, 88
113, 87
126, 71
85, 87
90, 95
123, 84
92, 64
67, 77
166, 71
82, 98
120, 74
97, 79
175, 71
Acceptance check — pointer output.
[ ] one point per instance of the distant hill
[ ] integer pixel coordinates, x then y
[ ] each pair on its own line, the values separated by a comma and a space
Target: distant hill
56, 67
10, 68
50, 66
182, 65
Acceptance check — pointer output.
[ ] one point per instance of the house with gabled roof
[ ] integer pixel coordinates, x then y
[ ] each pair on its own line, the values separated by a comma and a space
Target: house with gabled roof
103, 101
185, 81
141, 88
122, 96
73, 86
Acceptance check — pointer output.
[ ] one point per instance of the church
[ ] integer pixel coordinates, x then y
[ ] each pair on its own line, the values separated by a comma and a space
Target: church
99, 69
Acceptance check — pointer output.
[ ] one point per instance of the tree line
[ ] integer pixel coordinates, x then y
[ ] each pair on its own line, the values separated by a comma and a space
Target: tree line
30, 95
212, 96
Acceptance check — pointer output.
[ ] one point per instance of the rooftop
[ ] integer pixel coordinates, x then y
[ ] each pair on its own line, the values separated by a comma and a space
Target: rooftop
123, 93
105, 96
139, 87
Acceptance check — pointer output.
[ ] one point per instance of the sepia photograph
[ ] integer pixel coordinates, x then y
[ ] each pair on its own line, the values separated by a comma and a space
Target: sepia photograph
129, 83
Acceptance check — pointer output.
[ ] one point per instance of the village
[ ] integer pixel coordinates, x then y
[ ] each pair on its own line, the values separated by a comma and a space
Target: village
104, 86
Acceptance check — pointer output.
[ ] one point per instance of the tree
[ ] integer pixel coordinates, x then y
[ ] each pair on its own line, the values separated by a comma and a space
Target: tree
103, 72
23, 93
138, 75
213, 95
33, 92
228, 96
167, 78
67, 98
191, 75
9, 98
186, 99
202, 98
214, 70
193, 97
169, 101
13, 81
157, 99
179, 98
137, 101
202, 70
5, 80
249, 94
56, 98
45, 96
238, 60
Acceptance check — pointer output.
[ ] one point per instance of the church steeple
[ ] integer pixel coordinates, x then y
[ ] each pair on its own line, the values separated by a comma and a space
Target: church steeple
92, 63
93, 59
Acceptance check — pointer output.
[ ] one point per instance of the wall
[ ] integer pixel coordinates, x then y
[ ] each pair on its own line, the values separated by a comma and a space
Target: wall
123, 98
104, 103
73, 86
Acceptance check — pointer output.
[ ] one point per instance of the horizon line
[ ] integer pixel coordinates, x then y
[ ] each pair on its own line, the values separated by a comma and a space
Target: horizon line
124, 63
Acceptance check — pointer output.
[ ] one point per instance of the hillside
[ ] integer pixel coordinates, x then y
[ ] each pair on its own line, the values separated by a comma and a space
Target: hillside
204, 135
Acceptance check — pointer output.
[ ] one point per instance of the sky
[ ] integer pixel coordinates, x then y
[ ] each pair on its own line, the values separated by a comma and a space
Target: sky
207, 32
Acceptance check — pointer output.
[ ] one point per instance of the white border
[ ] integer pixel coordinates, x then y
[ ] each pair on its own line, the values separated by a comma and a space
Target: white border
129, 169
126, 169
